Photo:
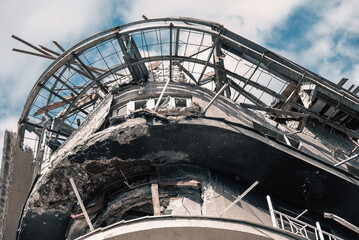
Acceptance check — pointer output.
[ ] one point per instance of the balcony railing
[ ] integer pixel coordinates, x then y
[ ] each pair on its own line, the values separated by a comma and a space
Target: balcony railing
298, 227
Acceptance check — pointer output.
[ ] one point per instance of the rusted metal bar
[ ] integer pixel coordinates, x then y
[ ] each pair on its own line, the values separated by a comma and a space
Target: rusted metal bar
82, 71
301, 214
93, 78
34, 54
163, 91
182, 68
199, 52
214, 98
79, 200
255, 70
246, 94
95, 69
65, 84
59, 46
177, 33
331, 114
50, 130
75, 63
49, 50
126, 58
346, 160
85, 74
209, 57
30, 45
64, 99
53, 58
291, 95
356, 144
238, 199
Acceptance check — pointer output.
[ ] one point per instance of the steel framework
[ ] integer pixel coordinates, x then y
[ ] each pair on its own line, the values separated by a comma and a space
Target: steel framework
126, 112
207, 53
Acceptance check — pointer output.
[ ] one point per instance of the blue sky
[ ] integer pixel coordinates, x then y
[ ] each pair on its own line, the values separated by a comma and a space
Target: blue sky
320, 35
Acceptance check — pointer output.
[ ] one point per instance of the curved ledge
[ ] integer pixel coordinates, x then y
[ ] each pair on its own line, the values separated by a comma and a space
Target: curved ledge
197, 227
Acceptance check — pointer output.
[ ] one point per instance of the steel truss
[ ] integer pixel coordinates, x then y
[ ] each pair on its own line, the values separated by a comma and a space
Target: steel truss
206, 52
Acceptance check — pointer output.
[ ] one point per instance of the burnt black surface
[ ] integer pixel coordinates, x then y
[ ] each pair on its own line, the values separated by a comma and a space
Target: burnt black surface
240, 152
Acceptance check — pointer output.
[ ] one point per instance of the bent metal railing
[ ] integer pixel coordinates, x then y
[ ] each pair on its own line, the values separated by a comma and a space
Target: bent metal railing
298, 227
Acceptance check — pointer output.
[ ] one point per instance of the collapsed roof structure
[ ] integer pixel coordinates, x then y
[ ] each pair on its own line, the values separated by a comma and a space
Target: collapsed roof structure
156, 126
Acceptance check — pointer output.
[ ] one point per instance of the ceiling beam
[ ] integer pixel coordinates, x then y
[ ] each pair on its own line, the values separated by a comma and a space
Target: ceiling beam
131, 54
92, 77
63, 98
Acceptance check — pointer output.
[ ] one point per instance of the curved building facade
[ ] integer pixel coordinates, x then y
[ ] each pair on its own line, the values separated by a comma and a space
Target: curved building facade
178, 128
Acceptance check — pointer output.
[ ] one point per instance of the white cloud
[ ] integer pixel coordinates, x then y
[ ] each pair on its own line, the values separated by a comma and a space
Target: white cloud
250, 18
331, 52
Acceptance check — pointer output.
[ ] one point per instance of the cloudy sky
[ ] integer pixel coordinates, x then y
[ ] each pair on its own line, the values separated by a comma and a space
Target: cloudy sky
320, 35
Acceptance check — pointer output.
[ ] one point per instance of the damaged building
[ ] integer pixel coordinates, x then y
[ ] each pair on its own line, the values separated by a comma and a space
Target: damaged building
178, 128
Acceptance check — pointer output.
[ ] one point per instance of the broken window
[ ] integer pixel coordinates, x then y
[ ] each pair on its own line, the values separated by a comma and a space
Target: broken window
166, 102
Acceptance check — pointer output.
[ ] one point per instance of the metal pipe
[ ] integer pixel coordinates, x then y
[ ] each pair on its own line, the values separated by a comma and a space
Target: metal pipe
34, 54
81, 204
291, 133
250, 77
208, 58
214, 98
271, 212
163, 91
59, 46
93, 78
171, 28
30, 45
342, 221
238, 199
346, 160
306, 210
50, 130
287, 140
170, 77
177, 41
49, 50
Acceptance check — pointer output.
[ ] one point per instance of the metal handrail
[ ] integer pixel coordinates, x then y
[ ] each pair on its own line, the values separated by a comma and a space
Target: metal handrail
301, 228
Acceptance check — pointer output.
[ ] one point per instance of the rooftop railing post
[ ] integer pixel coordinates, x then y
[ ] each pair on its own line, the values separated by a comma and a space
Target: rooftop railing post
271, 211
319, 229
